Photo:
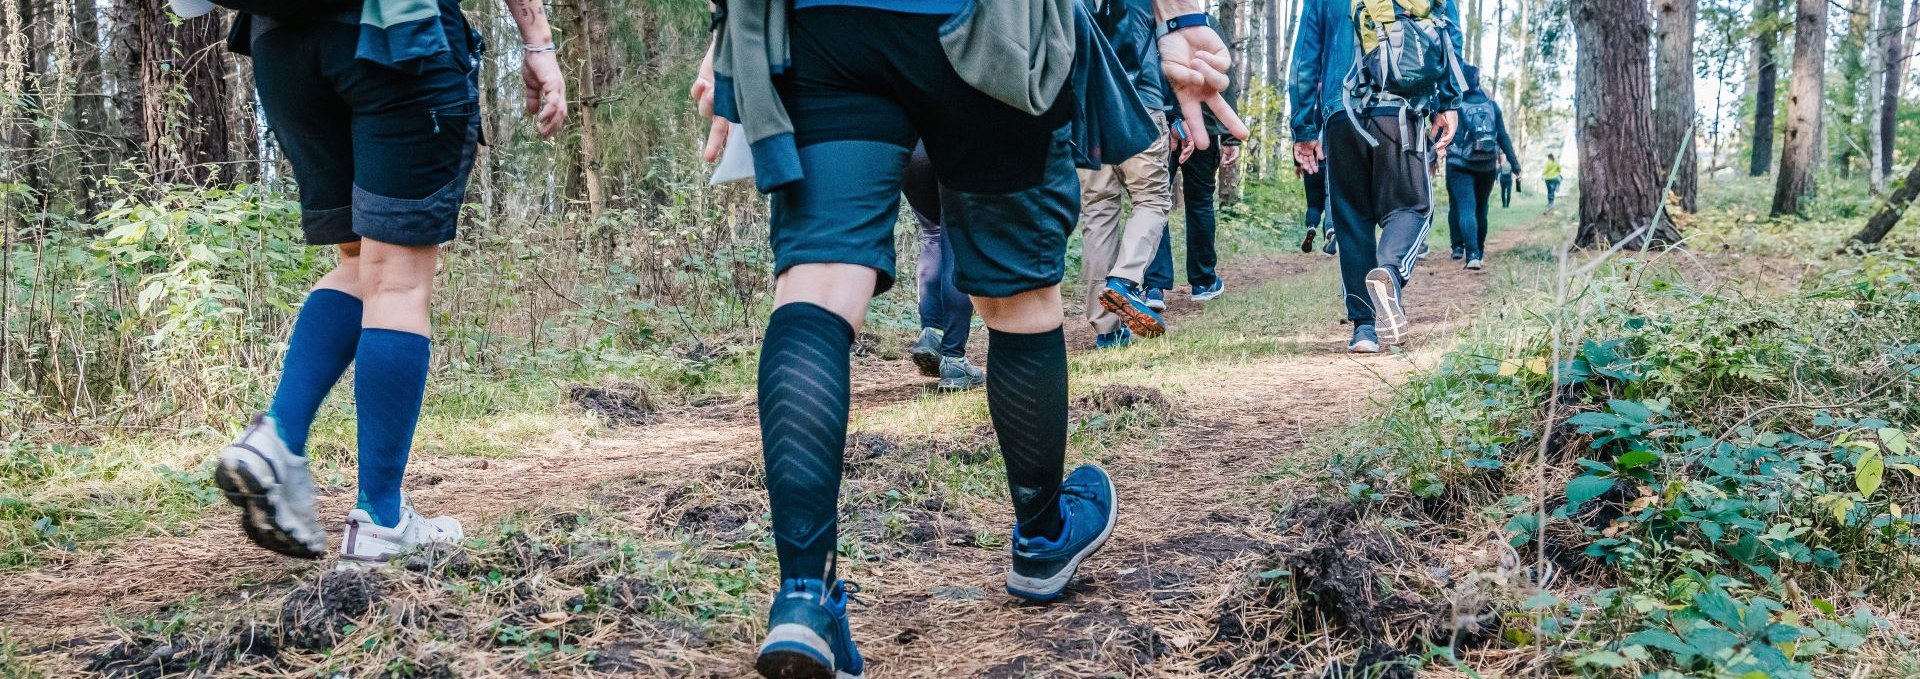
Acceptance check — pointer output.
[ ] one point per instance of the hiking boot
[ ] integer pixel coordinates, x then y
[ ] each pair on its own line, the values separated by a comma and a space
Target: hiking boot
1041, 567
1475, 263
370, 544
1330, 248
1206, 293
1306, 241
956, 374
1120, 337
1390, 317
1156, 299
807, 633
273, 490
1459, 254
1123, 299
1365, 340
926, 352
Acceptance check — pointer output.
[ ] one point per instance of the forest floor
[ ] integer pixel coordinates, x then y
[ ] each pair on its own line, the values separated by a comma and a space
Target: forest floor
642, 546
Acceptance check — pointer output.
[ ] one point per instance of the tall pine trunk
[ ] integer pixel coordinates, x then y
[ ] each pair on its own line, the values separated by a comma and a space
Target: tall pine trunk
1674, 112
1766, 68
183, 109
1618, 194
1800, 149
1893, 50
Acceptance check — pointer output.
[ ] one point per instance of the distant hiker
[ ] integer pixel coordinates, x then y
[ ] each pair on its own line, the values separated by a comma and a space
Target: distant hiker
1506, 184
946, 314
1363, 105
860, 81
1199, 172
1551, 175
1480, 150
1316, 222
381, 134
1115, 256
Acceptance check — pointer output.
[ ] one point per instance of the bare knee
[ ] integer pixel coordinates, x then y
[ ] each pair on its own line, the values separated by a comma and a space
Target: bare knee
1028, 312
844, 289
345, 276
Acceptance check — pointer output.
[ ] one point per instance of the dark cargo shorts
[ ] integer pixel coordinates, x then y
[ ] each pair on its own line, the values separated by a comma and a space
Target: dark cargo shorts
379, 153
864, 85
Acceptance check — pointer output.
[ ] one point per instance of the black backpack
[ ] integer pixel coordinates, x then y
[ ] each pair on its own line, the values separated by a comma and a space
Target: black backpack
1479, 136
290, 12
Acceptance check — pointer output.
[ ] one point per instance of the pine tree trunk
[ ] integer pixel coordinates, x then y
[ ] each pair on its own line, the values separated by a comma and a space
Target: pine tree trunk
1893, 50
1889, 214
1274, 78
1674, 112
1233, 26
183, 107
1847, 100
1618, 195
1766, 67
581, 56
1800, 149
1516, 103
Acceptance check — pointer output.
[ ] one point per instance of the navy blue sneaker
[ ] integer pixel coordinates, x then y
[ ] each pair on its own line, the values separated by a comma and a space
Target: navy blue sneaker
1120, 337
1206, 293
1156, 299
1122, 298
1459, 254
807, 633
1042, 568
1330, 248
1365, 340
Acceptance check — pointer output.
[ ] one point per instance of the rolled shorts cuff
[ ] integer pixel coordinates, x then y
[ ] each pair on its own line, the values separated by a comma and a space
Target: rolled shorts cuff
331, 226
432, 220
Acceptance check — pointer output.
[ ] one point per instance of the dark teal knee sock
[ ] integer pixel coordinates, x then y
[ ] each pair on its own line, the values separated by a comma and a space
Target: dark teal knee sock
389, 381
803, 431
1027, 401
322, 346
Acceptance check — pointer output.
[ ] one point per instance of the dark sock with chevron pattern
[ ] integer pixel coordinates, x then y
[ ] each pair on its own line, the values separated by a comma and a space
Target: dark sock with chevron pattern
1027, 398
803, 432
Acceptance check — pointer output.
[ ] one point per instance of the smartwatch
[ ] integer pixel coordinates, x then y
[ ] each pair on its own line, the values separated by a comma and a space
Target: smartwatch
1184, 21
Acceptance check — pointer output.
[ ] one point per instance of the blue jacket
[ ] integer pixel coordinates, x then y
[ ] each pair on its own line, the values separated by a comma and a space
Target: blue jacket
1323, 53
1128, 26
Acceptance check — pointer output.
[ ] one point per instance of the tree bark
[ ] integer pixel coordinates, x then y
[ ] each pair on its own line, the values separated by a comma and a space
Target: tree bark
1674, 111
1618, 195
1274, 78
1889, 214
183, 107
1800, 149
1766, 68
1233, 26
1893, 50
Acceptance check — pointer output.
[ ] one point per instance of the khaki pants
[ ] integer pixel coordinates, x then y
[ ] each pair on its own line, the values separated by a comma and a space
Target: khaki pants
1109, 248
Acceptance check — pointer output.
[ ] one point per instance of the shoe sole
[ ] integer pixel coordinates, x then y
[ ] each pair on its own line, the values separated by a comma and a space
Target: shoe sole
1035, 593
1306, 242
928, 361
961, 386
259, 518
1161, 306
1140, 320
792, 651
1391, 318
1475, 267
1363, 348
1208, 297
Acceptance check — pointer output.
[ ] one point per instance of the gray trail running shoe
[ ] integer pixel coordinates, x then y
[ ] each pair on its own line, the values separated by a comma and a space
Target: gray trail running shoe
957, 374
273, 490
1390, 319
1476, 264
926, 352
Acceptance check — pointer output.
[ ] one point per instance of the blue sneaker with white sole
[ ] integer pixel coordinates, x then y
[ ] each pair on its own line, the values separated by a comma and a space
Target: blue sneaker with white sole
1042, 568
807, 633
1206, 293
1125, 300
1156, 299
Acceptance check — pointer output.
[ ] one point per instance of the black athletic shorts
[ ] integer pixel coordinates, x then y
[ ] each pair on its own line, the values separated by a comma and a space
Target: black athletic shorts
379, 153
863, 86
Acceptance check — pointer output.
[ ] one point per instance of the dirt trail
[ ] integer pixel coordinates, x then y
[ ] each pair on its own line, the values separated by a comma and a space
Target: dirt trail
1186, 527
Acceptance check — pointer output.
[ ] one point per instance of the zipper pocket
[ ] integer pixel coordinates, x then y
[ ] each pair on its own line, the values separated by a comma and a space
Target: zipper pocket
461, 110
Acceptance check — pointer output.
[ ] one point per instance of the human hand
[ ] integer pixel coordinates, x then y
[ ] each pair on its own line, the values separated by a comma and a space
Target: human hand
702, 93
1444, 126
1229, 153
1306, 156
1177, 142
1195, 63
546, 91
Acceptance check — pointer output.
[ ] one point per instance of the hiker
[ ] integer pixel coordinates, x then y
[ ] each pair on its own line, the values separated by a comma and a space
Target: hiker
1370, 126
860, 81
381, 135
946, 314
1199, 172
1506, 184
1315, 185
1475, 157
1551, 176
1114, 256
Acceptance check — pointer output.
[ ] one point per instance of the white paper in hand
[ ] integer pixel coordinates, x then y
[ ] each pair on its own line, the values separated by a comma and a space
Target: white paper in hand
736, 161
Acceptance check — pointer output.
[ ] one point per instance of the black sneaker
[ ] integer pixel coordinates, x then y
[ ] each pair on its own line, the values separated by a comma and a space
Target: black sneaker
1306, 241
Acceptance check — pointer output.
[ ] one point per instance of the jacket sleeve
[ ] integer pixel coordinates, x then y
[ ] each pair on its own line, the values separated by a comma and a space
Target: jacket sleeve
1450, 97
1506, 142
1309, 64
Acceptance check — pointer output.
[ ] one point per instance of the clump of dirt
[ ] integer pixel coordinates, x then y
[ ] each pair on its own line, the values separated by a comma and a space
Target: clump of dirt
619, 404
153, 656
1115, 399
316, 614
866, 446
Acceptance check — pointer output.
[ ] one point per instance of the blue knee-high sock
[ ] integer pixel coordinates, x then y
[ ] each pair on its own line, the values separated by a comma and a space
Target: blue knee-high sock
322, 346
389, 381
803, 431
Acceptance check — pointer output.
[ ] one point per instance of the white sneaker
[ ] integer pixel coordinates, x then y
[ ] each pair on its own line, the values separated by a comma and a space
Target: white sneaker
273, 490
370, 544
